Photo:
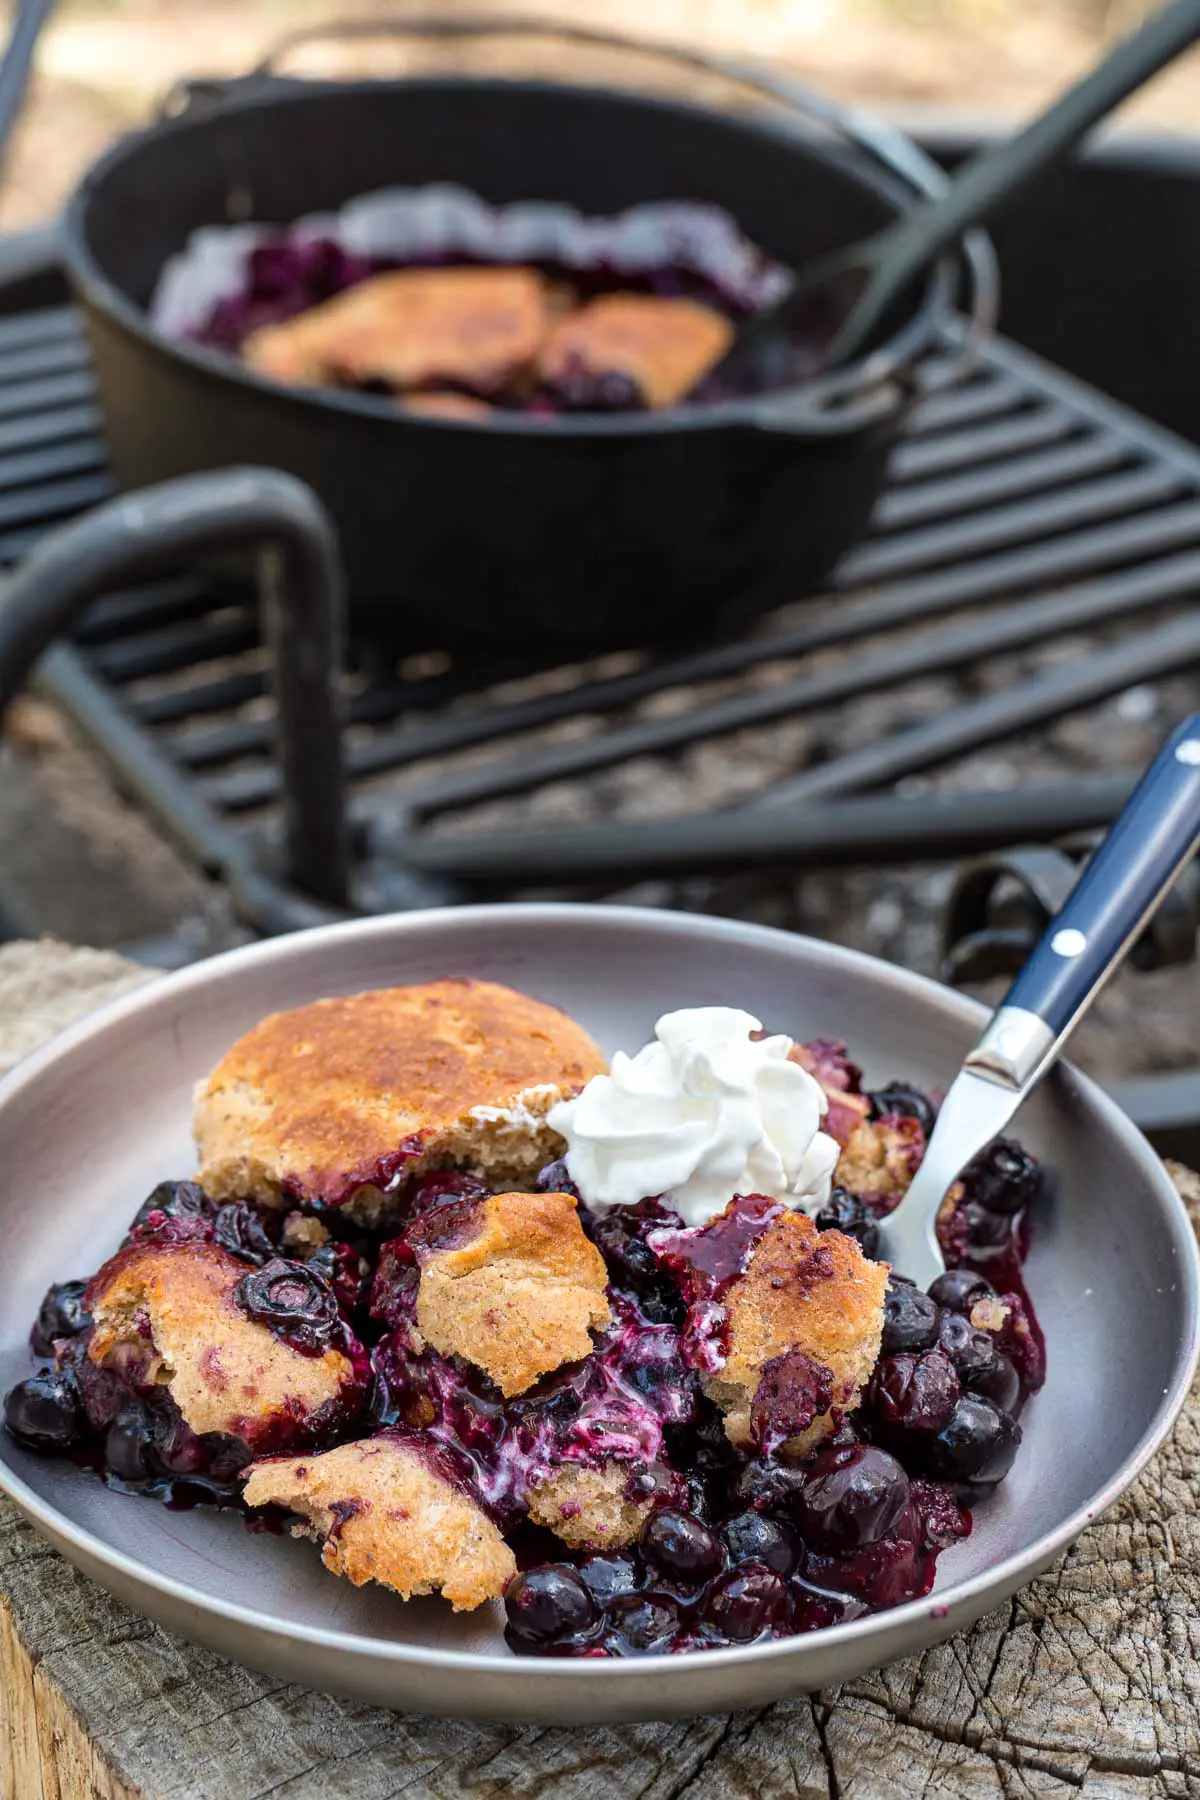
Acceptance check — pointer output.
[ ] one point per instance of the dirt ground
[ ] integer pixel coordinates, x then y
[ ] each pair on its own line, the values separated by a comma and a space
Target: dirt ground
104, 67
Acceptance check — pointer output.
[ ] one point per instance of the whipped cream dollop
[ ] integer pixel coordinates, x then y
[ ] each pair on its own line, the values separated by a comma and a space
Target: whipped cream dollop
706, 1111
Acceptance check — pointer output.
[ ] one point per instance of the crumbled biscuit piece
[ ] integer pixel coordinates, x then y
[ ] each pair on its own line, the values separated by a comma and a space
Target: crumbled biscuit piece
881, 1158
332, 1101
807, 1290
589, 1505
302, 1232
663, 345
517, 1292
382, 1511
410, 329
171, 1309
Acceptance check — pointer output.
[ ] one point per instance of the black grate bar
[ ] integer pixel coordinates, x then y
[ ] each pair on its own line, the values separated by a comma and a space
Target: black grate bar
190, 643
984, 398
201, 697
43, 396
1020, 625
920, 501
185, 598
868, 830
1114, 496
1058, 559
1054, 694
988, 443
72, 456
55, 499
28, 360
1023, 624
59, 426
51, 324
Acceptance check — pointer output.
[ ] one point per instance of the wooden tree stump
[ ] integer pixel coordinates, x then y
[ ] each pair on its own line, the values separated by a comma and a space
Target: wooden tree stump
1086, 1684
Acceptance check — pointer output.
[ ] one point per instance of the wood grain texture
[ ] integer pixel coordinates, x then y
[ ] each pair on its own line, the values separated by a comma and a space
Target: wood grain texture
1087, 1684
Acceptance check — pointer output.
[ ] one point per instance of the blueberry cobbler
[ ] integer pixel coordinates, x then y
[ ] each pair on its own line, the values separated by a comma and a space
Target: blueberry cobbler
451, 308
486, 1317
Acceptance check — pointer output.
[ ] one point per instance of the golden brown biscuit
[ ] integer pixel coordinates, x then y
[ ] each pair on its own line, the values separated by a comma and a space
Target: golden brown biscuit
517, 1292
331, 1101
881, 1158
170, 1312
806, 1290
664, 345
589, 1505
382, 1511
411, 328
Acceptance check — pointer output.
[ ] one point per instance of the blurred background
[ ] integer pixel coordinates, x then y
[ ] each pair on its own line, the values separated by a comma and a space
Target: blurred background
104, 63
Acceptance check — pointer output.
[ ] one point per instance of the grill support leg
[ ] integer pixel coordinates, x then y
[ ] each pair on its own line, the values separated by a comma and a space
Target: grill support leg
145, 533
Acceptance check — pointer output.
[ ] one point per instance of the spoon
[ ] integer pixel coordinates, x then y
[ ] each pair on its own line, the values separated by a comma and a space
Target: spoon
844, 297
1147, 846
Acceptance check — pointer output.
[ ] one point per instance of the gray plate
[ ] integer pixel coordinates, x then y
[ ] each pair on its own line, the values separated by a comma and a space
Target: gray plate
92, 1122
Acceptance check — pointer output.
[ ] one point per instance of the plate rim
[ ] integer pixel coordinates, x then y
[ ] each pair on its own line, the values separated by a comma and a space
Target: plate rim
953, 1608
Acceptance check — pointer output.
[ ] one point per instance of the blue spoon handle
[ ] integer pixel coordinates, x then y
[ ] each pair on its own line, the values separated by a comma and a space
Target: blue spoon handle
1153, 837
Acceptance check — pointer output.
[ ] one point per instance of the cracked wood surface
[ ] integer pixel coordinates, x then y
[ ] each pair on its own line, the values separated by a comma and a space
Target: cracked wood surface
1086, 1684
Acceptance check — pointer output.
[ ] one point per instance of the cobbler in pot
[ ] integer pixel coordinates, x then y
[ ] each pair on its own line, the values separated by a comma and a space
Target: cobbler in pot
648, 1421
457, 309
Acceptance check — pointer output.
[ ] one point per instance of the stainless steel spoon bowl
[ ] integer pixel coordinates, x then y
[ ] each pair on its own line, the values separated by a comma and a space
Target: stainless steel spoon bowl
91, 1123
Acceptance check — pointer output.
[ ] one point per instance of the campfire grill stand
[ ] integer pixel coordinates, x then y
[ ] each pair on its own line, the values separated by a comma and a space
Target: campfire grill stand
219, 716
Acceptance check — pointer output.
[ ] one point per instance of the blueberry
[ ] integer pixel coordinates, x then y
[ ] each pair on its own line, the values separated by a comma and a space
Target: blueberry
620, 1238
757, 1537
977, 1446
175, 1200
973, 1352
643, 1621
702, 1446
1003, 1178
549, 1603
845, 1212
293, 1299
909, 1102
746, 1602
959, 1289
910, 1319
983, 1230
851, 1498
238, 1229
680, 1547
62, 1315
44, 1413
555, 1178
605, 1577
768, 1486
127, 1444
915, 1393
1000, 1383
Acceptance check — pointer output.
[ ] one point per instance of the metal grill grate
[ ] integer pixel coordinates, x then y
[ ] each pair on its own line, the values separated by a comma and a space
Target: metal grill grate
1033, 556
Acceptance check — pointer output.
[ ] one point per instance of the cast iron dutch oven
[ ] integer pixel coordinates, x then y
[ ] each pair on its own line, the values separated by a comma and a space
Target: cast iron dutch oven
581, 529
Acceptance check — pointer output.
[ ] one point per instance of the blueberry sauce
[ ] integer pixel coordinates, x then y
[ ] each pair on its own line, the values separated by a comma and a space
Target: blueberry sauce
704, 1261
614, 1407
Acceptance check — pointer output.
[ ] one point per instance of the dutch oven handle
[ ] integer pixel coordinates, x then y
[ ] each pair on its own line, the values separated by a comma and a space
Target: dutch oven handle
861, 387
